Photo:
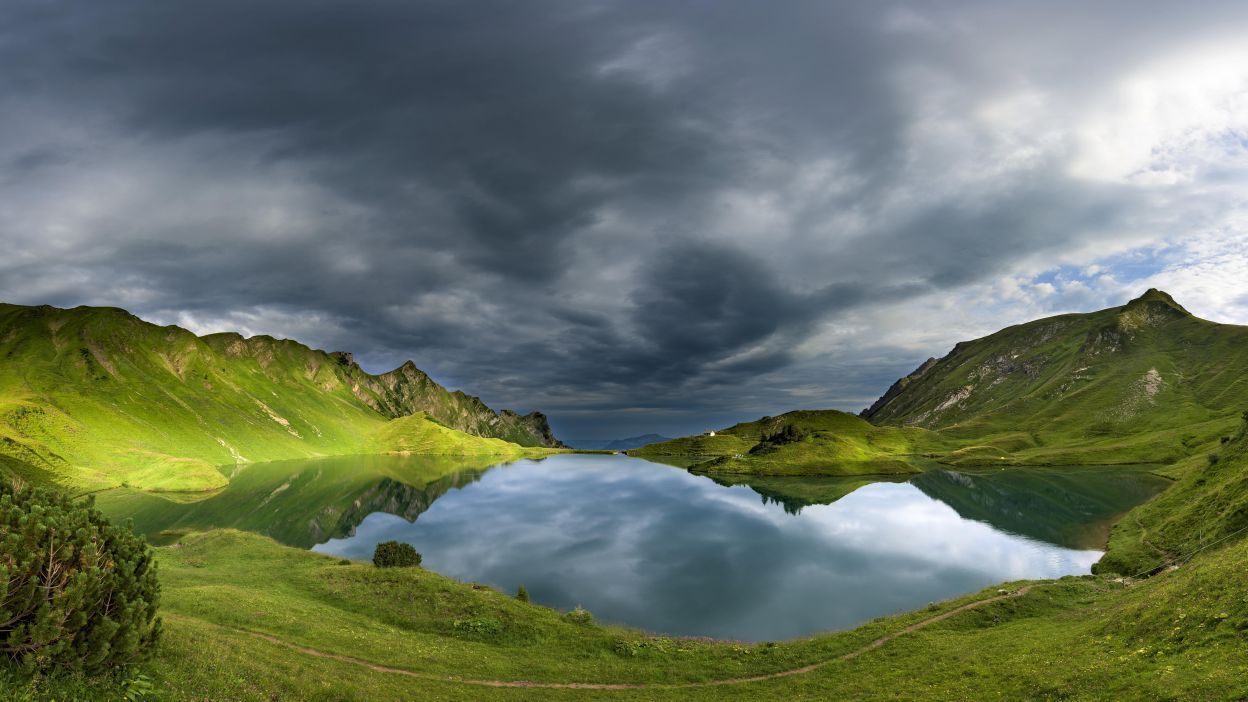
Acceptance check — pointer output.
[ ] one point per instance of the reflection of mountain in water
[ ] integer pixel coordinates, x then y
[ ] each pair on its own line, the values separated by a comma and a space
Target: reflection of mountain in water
389, 496
1070, 507
795, 492
303, 503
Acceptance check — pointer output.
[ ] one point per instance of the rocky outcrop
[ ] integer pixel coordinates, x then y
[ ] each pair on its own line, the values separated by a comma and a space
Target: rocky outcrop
407, 390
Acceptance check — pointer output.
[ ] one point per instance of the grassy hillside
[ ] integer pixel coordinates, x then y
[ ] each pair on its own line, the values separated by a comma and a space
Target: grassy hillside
97, 397
822, 443
244, 616
1142, 383
422, 434
1206, 507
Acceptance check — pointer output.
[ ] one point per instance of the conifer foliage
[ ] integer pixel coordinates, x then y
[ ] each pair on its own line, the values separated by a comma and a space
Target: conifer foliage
76, 592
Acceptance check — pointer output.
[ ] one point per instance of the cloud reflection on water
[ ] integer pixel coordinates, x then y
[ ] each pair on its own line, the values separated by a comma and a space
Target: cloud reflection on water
664, 550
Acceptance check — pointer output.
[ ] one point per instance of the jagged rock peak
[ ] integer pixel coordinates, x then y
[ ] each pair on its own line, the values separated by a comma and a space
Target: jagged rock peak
1157, 297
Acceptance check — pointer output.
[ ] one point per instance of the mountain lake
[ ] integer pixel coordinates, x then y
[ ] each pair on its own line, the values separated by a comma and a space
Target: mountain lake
665, 550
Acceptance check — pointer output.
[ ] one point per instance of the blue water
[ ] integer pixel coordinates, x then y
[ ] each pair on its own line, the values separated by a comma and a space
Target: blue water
661, 549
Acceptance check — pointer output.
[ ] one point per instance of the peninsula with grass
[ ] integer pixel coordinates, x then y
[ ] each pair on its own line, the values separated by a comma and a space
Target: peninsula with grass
802, 442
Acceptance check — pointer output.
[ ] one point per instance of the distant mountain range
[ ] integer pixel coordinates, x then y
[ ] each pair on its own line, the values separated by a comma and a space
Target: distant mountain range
99, 396
631, 442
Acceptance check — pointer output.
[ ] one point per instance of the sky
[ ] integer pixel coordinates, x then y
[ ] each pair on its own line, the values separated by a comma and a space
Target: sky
640, 216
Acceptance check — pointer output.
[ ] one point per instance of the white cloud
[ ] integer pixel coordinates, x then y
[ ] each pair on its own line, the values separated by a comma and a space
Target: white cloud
1166, 122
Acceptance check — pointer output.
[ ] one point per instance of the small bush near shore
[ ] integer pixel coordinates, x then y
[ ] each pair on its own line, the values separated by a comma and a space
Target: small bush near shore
395, 554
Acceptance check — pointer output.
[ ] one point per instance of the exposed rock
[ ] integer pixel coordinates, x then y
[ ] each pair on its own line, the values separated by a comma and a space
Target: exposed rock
407, 390
956, 397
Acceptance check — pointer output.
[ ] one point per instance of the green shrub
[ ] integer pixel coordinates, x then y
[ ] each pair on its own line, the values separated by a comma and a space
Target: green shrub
627, 648
652, 646
787, 434
77, 594
522, 594
395, 554
579, 615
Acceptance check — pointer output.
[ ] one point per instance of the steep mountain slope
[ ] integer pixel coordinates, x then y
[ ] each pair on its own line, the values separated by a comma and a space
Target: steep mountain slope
98, 396
407, 390
803, 442
1145, 382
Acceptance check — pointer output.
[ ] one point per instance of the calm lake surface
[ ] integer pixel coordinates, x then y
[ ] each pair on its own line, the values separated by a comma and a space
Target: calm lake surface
658, 548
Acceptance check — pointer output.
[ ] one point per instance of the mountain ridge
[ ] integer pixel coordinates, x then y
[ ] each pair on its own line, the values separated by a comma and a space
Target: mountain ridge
1147, 377
1144, 382
96, 393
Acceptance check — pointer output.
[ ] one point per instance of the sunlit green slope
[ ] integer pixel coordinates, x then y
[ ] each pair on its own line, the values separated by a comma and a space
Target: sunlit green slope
819, 442
97, 396
1145, 382
1206, 507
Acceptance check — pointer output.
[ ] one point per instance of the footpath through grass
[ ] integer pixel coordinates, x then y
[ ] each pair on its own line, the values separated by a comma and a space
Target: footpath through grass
1180, 635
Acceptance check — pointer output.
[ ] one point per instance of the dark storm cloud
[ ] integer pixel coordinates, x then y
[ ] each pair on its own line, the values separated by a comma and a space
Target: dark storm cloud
584, 207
